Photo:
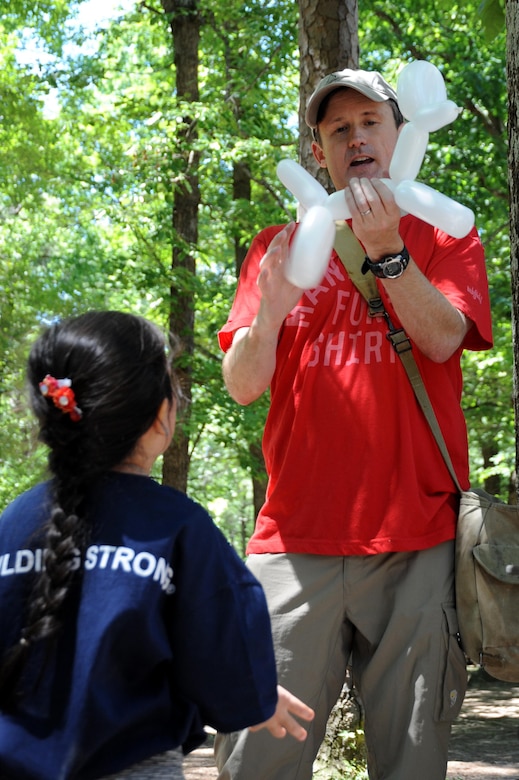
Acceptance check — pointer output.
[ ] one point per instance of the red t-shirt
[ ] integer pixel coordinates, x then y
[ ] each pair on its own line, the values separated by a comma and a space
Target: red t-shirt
353, 467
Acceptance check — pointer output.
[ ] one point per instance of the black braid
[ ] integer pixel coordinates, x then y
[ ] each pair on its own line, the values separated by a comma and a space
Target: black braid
60, 564
120, 376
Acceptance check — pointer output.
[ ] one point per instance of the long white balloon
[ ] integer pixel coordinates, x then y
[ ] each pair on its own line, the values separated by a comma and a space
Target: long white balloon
422, 98
337, 206
307, 190
311, 248
434, 208
409, 152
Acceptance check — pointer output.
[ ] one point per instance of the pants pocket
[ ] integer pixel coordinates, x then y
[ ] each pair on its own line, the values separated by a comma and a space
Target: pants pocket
452, 680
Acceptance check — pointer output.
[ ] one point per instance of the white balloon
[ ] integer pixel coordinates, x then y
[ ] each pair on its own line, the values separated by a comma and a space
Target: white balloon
422, 99
392, 185
434, 208
431, 118
409, 152
419, 84
311, 249
308, 191
337, 206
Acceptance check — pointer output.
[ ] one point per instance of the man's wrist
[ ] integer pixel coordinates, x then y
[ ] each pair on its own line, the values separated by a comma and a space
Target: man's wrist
390, 266
265, 327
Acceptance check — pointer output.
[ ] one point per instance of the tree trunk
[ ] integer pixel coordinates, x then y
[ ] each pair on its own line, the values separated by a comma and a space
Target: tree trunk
489, 450
242, 191
328, 41
343, 744
512, 65
185, 24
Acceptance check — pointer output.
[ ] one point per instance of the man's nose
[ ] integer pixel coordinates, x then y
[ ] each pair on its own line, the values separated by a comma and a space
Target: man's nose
356, 136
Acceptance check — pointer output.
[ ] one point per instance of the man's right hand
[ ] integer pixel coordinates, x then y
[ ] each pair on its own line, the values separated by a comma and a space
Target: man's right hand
249, 365
278, 295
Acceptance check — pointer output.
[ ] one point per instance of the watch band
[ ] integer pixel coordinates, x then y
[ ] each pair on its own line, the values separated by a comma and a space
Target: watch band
388, 267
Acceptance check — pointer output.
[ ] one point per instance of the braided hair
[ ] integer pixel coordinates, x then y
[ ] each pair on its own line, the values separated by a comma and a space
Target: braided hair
120, 376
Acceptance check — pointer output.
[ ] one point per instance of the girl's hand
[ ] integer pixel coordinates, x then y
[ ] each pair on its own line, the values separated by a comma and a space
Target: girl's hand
282, 722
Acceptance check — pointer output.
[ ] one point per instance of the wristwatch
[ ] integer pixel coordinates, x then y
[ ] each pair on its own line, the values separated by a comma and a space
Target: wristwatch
388, 267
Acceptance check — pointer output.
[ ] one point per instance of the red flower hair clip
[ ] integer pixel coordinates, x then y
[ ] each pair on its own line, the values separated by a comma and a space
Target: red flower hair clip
61, 392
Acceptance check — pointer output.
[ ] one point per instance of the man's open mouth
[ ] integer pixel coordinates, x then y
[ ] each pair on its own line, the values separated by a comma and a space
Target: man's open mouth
360, 161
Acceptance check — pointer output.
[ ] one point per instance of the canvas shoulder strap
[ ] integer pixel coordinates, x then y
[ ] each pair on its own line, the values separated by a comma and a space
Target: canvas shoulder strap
352, 257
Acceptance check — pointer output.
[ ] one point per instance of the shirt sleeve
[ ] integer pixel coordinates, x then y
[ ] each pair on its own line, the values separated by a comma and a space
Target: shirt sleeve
457, 268
221, 636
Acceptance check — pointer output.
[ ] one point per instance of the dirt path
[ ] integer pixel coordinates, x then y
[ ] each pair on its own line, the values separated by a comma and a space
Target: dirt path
199, 765
485, 738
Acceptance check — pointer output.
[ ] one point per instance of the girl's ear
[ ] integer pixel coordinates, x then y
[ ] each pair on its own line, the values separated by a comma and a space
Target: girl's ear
165, 420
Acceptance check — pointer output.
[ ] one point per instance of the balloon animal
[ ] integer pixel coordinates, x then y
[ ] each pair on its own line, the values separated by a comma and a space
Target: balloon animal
422, 99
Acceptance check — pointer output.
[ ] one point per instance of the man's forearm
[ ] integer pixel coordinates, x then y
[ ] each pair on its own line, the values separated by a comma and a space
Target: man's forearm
250, 363
429, 319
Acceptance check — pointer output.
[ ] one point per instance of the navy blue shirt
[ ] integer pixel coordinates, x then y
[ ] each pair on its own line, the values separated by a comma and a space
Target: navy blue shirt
166, 631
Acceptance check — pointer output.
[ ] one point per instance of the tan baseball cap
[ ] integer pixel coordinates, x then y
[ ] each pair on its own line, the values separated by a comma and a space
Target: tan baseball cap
369, 83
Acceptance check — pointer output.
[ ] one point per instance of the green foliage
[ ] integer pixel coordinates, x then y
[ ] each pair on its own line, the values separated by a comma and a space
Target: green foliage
492, 14
86, 196
42, 18
89, 224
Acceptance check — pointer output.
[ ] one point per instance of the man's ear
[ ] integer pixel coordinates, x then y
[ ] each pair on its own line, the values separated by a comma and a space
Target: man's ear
319, 155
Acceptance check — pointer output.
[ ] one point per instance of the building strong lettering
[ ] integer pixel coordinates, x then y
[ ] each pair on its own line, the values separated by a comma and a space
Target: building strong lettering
124, 560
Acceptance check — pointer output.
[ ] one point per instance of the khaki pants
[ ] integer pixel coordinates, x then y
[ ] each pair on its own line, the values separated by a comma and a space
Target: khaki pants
392, 616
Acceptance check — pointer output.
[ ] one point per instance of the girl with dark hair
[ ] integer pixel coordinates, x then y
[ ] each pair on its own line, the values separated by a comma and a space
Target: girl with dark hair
127, 621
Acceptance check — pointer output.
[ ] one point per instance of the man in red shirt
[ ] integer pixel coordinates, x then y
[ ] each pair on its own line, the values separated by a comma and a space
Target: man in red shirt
354, 545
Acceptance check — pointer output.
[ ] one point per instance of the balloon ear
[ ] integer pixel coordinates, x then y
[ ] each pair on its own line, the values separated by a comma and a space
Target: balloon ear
419, 84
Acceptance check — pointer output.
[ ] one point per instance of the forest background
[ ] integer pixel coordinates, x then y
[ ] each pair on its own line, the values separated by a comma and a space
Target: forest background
137, 161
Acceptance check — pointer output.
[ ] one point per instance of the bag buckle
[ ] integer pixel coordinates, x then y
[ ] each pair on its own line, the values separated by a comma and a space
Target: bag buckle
400, 340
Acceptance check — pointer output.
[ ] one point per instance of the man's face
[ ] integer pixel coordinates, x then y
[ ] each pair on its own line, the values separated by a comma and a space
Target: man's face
357, 137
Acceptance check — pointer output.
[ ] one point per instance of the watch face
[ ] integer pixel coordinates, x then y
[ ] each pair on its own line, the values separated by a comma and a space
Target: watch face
389, 267
393, 268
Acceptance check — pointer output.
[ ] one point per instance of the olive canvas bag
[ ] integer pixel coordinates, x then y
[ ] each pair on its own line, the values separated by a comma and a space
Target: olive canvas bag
487, 582
487, 536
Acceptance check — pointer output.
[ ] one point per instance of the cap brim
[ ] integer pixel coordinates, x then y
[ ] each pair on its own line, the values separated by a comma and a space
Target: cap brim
312, 109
